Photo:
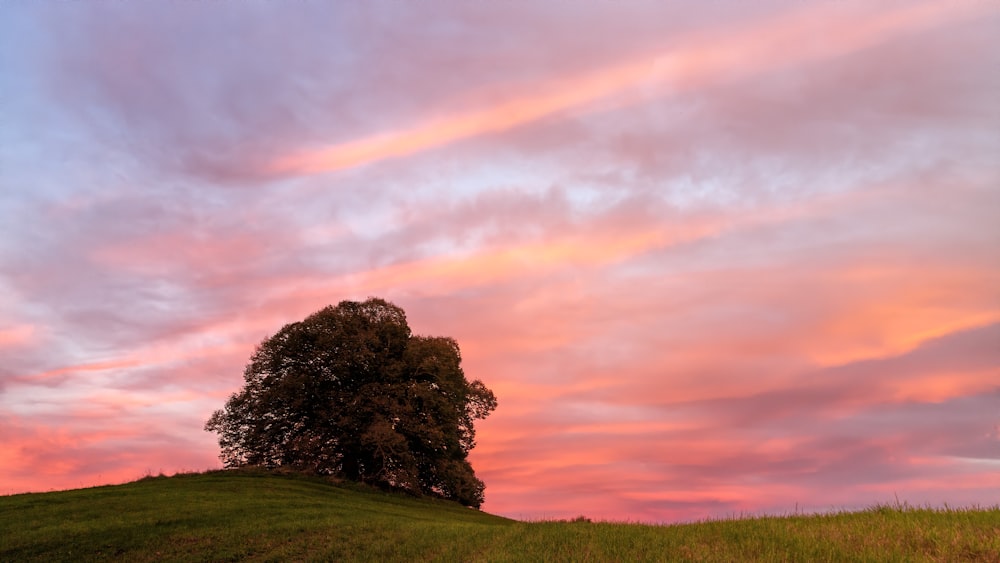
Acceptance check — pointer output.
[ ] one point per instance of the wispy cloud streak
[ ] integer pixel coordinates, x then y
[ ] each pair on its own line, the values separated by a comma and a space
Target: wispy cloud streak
784, 41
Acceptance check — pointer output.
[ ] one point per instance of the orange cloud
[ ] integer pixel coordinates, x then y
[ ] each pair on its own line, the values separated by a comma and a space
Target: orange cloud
95, 366
16, 336
155, 354
939, 387
899, 309
491, 265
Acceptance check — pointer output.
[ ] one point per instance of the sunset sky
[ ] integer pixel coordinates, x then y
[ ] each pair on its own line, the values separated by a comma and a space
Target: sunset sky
716, 258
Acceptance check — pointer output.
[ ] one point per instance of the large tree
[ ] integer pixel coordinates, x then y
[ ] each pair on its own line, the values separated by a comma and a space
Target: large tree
349, 391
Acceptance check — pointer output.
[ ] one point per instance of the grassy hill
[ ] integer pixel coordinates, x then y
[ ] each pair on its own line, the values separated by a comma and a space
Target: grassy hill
230, 516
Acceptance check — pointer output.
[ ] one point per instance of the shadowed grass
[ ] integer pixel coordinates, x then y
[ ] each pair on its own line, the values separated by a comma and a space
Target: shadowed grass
256, 516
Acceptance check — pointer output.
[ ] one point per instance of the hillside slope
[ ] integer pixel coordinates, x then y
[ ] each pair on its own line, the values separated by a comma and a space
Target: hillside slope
236, 516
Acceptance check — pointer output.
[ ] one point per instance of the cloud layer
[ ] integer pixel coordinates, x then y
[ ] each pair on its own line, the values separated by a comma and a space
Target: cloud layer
737, 258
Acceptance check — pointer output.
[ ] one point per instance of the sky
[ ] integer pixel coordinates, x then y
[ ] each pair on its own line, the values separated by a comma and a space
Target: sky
714, 259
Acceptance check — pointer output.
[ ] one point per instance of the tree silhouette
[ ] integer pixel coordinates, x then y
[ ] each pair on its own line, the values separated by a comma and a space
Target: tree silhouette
349, 391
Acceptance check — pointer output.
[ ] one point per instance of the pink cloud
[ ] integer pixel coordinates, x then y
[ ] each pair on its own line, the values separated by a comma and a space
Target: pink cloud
39, 457
17, 336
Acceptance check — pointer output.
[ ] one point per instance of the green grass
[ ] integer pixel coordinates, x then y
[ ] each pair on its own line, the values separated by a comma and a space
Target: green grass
255, 516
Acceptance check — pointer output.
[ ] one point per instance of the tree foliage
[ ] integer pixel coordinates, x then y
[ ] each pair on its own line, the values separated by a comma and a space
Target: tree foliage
349, 391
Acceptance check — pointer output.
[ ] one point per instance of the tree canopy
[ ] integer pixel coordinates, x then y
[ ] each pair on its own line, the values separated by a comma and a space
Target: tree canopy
349, 391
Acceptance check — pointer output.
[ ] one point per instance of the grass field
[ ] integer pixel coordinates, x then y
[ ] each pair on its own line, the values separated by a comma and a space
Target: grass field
255, 516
